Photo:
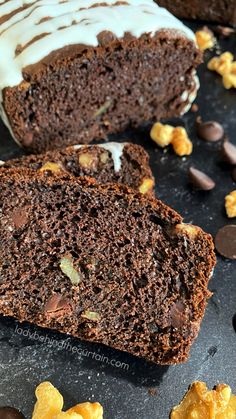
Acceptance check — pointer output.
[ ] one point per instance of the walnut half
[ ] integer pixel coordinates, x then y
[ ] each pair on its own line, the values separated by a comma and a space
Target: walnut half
201, 403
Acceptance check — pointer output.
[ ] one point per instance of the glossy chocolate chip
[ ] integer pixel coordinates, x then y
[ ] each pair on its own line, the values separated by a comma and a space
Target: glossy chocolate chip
228, 153
225, 241
200, 180
209, 131
10, 413
224, 31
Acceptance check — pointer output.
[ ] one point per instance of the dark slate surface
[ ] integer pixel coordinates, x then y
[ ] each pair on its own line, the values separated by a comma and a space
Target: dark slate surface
124, 390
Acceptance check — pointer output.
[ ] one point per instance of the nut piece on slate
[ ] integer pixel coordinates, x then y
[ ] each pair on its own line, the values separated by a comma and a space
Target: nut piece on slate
229, 79
230, 204
226, 67
221, 64
205, 39
210, 130
52, 167
161, 134
86, 411
181, 143
50, 402
146, 186
66, 266
200, 180
10, 413
225, 241
199, 403
228, 153
91, 315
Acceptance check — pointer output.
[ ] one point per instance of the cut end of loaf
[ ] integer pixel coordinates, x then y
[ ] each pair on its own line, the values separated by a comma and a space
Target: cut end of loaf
102, 263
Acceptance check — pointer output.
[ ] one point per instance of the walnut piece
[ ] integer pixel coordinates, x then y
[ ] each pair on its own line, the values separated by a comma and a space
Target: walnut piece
50, 402
201, 403
104, 157
146, 186
181, 143
66, 266
230, 204
226, 67
205, 39
86, 160
163, 135
189, 229
91, 315
52, 167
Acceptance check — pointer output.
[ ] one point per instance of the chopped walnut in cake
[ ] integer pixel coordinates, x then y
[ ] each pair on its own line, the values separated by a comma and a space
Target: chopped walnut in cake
226, 67
163, 135
205, 39
51, 167
201, 403
230, 204
50, 402
146, 186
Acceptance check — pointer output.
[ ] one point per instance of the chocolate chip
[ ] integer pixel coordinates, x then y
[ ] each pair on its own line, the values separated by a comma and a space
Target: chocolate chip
177, 314
224, 31
234, 174
57, 305
194, 107
20, 217
200, 180
28, 139
105, 37
209, 131
225, 241
228, 153
10, 413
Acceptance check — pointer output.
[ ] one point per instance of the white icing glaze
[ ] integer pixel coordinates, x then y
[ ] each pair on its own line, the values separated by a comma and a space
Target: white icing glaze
45, 26
190, 96
2, 163
116, 150
72, 22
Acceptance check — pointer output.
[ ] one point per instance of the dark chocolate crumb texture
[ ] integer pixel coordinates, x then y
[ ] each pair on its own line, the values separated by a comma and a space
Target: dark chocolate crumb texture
102, 263
222, 11
112, 162
77, 71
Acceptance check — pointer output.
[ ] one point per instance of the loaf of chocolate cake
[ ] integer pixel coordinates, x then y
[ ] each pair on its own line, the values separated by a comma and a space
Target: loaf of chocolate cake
102, 263
112, 162
222, 11
74, 71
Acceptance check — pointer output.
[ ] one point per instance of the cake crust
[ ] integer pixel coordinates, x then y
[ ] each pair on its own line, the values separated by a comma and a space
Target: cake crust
124, 163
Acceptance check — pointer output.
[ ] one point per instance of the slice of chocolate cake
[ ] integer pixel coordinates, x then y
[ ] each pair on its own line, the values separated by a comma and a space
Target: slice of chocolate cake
222, 11
74, 71
112, 162
102, 263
